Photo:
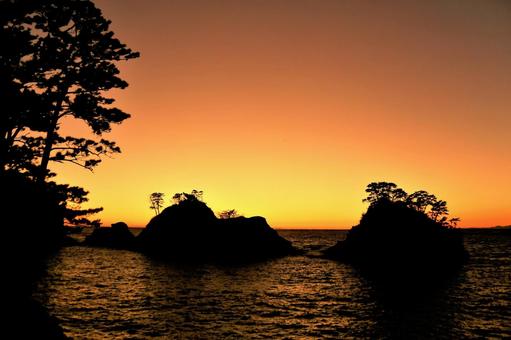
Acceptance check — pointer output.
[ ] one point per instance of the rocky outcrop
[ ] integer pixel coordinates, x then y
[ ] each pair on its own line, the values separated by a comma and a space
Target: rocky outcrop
33, 230
25, 318
395, 241
117, 236
190, 231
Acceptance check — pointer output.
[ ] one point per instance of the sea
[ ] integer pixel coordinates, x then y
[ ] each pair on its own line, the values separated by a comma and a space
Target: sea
98, 293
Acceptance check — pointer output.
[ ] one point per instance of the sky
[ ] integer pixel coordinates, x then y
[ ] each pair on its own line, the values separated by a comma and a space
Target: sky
288, 109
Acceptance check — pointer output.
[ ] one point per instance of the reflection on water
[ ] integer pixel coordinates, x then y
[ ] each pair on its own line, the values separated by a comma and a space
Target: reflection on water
101, 293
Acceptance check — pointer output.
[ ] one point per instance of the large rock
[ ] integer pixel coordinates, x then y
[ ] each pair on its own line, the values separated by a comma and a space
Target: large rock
190, 231
396, 241
117, 236
25, 318
32, 221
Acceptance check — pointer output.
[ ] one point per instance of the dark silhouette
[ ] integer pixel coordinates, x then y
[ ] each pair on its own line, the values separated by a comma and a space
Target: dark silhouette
117, 236
421, 201
69, 66
231, 213
20, 106
399, 238
57, 61
156, 200
30, 233
190, 231
183, 196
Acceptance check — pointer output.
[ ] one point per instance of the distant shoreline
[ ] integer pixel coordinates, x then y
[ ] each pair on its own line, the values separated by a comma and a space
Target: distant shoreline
346, 229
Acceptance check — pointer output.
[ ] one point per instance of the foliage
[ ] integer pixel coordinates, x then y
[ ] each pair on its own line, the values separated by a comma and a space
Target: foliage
156, 200
58, 61
195, 195
71, 197
20, 104
61, 65
231, 213
421, 201
58, 203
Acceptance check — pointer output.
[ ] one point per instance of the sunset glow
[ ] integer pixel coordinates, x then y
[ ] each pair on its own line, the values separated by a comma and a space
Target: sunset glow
288, 112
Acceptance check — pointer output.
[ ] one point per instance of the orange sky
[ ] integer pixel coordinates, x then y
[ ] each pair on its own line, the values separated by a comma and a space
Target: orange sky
288, 109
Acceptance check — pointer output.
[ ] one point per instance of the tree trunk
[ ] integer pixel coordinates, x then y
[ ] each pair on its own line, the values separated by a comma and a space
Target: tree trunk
6, 144
50, 135
48, 144
3, 154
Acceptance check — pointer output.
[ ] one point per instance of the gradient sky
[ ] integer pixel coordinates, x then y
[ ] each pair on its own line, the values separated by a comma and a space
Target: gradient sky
288, 109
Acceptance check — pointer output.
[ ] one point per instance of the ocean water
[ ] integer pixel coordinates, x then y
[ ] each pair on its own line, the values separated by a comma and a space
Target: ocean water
115, 294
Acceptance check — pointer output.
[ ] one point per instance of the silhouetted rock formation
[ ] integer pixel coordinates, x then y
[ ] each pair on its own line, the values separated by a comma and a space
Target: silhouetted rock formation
32, 221
190, 231
395, 240
117, 236
24, 318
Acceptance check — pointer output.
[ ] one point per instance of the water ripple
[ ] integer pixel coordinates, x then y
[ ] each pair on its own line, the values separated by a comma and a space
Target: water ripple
115, 294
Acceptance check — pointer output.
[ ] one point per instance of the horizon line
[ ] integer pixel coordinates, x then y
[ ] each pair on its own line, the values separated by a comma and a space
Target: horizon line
336, 228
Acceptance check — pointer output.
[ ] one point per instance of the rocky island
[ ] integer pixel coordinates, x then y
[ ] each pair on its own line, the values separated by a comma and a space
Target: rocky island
117, 236
402, 235
188, 230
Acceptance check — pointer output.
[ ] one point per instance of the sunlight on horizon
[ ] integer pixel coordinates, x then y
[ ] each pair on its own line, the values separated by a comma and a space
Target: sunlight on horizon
289, 112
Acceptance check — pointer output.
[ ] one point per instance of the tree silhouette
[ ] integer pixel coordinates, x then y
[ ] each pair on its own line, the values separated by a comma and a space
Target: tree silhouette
70, 65
398, 195
195, 195
198, 194
231, 213
452, 222
438, 209
156, 199
71, 197
380, 191
421, 201
57, 60
20, 104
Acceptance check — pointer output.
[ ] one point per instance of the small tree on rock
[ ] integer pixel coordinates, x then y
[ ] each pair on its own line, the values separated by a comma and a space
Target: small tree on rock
438, 209
156, 200
226, 214
421, 201
379, 191
195, 195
